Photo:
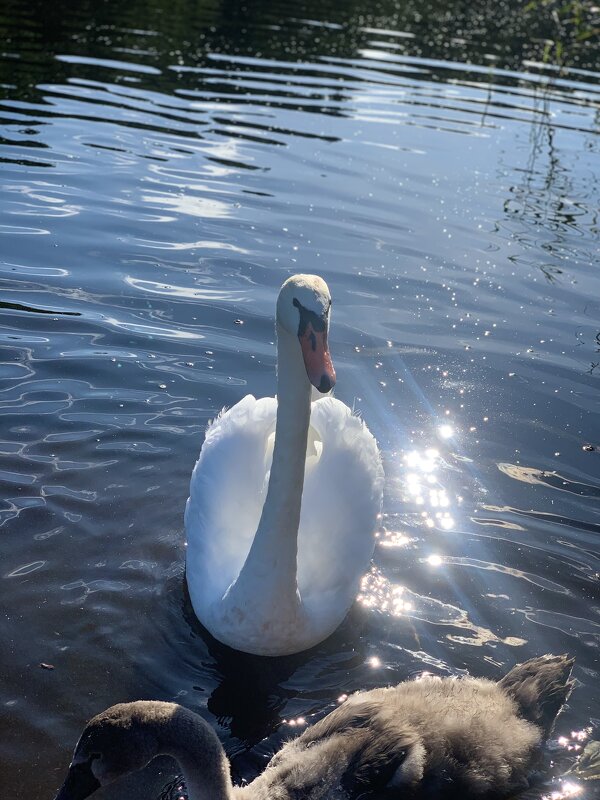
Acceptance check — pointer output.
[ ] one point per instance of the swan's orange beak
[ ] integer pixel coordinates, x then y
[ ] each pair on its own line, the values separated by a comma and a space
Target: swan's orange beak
317, 360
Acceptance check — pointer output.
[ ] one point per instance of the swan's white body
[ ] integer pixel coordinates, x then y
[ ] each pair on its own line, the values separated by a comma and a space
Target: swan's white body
283, 506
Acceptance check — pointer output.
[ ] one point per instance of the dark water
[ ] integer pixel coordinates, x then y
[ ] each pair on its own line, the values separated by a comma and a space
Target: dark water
164, 167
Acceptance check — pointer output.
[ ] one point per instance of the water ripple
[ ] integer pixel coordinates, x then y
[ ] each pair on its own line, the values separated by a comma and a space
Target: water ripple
177, 165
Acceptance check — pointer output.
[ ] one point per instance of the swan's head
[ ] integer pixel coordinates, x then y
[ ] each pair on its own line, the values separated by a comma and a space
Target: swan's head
117, 741
303, 308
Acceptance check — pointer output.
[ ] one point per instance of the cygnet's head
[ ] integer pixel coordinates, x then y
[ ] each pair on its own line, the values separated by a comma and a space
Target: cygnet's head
303, 308
114, 743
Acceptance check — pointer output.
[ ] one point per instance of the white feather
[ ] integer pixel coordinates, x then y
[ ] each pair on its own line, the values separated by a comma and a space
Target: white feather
340, 503
274, 561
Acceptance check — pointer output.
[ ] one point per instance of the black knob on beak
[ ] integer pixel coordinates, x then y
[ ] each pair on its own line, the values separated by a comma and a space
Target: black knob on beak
325, 385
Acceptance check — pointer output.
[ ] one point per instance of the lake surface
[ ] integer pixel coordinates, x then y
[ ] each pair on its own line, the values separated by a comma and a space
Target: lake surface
164, 168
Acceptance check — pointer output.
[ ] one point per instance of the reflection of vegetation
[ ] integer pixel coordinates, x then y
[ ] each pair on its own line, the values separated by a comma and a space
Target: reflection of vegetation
171, 32
574, 22
551, 198
541, 199
553, 203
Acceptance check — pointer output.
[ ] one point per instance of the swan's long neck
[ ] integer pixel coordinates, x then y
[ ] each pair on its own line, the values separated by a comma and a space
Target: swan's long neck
189, 739
268, 576
280, 518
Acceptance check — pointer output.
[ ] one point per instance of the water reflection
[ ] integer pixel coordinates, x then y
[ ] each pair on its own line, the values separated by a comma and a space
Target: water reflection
380, 594
181, 162
567, 789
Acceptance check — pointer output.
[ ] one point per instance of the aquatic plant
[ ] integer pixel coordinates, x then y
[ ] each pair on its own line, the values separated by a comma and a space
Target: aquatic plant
574, 22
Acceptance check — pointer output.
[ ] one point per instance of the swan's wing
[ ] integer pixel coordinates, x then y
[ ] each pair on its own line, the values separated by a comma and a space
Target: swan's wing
340, 507
227, 492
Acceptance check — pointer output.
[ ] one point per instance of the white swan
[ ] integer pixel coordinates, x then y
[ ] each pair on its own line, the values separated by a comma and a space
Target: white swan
284, 498
467, 737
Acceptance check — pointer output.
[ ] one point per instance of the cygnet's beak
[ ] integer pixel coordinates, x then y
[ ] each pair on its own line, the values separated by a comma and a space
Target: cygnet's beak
80, 783
317, 359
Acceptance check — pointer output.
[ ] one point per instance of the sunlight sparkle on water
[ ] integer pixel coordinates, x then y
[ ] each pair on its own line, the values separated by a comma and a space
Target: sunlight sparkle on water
434, 560
425, 461
567, 789
423, 487
298, 722
446, 431
394, 539
572, 742
377, 592
580, 736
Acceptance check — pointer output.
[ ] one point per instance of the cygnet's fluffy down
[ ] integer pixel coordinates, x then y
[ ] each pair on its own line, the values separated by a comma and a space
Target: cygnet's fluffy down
474, 734
467, 736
